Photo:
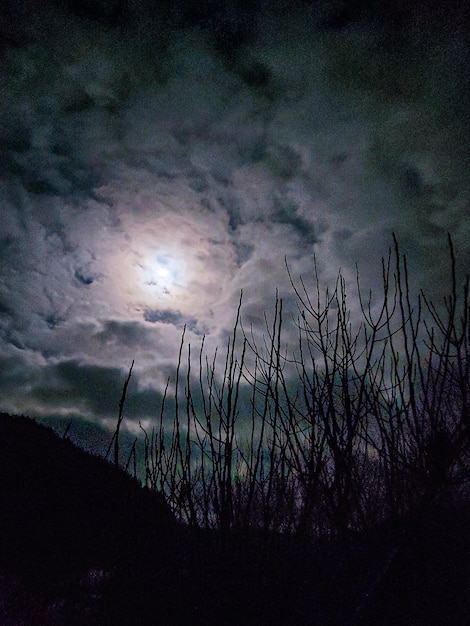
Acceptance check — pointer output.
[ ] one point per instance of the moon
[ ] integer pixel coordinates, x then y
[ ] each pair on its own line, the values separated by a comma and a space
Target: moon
165, 270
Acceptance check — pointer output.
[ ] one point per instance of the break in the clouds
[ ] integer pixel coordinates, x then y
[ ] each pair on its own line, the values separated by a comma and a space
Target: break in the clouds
152, 169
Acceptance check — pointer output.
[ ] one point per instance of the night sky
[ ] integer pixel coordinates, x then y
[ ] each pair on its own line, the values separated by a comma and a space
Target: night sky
158, 157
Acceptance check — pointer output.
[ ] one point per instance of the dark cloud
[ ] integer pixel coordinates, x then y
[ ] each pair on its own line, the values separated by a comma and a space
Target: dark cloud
291, 214
170, 317
84, 277
100, 387
121, 333
107, 11
82, 387
53, 320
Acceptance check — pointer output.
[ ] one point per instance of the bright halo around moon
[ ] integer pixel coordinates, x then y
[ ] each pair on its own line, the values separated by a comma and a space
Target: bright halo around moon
166, 265
162, 274
145, 277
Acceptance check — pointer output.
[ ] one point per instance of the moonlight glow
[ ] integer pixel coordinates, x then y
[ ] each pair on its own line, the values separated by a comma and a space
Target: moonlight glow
165, 273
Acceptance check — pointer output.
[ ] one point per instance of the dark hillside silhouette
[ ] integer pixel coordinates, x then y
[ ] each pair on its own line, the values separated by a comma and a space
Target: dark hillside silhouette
65, 506
82, 543
65, 512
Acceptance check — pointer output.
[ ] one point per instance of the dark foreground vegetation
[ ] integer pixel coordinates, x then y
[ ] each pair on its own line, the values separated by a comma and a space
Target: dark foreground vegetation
327, 483
82, 543
365, 418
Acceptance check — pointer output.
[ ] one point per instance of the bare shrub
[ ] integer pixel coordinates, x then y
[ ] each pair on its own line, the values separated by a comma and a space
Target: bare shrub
360, 420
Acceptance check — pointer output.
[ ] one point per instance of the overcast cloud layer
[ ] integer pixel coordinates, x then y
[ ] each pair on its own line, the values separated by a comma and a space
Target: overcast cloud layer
150, 174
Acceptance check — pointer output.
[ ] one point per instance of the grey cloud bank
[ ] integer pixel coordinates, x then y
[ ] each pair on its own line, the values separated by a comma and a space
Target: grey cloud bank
148, 176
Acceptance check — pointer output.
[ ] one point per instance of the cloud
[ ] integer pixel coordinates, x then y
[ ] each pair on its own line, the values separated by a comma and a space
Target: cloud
171, 317
148, 177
